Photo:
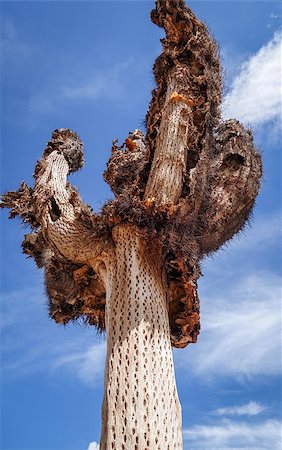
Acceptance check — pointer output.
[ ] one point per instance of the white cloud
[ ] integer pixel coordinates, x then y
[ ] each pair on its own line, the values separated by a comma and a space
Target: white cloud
249, 409
93, 446
275, 16
32, 343
87, 364
255, 93
261, 237
252, 250
234, 435
241, 329
262, 232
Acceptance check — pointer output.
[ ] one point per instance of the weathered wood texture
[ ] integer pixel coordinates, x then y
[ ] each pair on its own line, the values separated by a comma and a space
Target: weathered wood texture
141, 409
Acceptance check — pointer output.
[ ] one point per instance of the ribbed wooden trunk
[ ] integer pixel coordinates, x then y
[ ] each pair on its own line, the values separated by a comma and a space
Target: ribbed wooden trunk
141, 409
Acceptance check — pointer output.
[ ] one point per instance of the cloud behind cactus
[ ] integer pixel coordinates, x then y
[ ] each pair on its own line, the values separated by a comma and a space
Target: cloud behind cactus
255, 93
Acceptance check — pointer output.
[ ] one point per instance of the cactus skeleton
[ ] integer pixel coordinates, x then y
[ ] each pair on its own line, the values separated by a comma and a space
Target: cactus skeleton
181, 192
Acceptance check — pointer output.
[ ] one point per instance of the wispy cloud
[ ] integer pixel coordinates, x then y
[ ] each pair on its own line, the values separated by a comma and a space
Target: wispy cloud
252, 251
12, 45
234, 435
93, 446
240, 329
249, 409
32, 343
262, 232
274, 15
109, 84
105, 84
255, 93
87, 364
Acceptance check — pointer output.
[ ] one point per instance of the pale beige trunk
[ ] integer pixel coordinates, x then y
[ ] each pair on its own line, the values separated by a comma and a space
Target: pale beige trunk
141, 409
169, 164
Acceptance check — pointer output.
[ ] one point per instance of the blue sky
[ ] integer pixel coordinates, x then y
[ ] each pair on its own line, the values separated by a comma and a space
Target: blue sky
87, 66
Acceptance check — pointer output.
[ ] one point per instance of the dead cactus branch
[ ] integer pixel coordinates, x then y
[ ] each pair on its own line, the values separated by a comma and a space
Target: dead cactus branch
188, 77
125, 166
67, 237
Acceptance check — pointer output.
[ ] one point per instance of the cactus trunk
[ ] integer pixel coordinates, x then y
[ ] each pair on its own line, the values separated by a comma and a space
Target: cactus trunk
141, 409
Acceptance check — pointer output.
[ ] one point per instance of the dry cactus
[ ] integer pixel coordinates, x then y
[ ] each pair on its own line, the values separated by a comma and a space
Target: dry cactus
181, 192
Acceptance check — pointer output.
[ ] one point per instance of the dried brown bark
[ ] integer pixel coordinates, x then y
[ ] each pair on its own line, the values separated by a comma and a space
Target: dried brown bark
186, 187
